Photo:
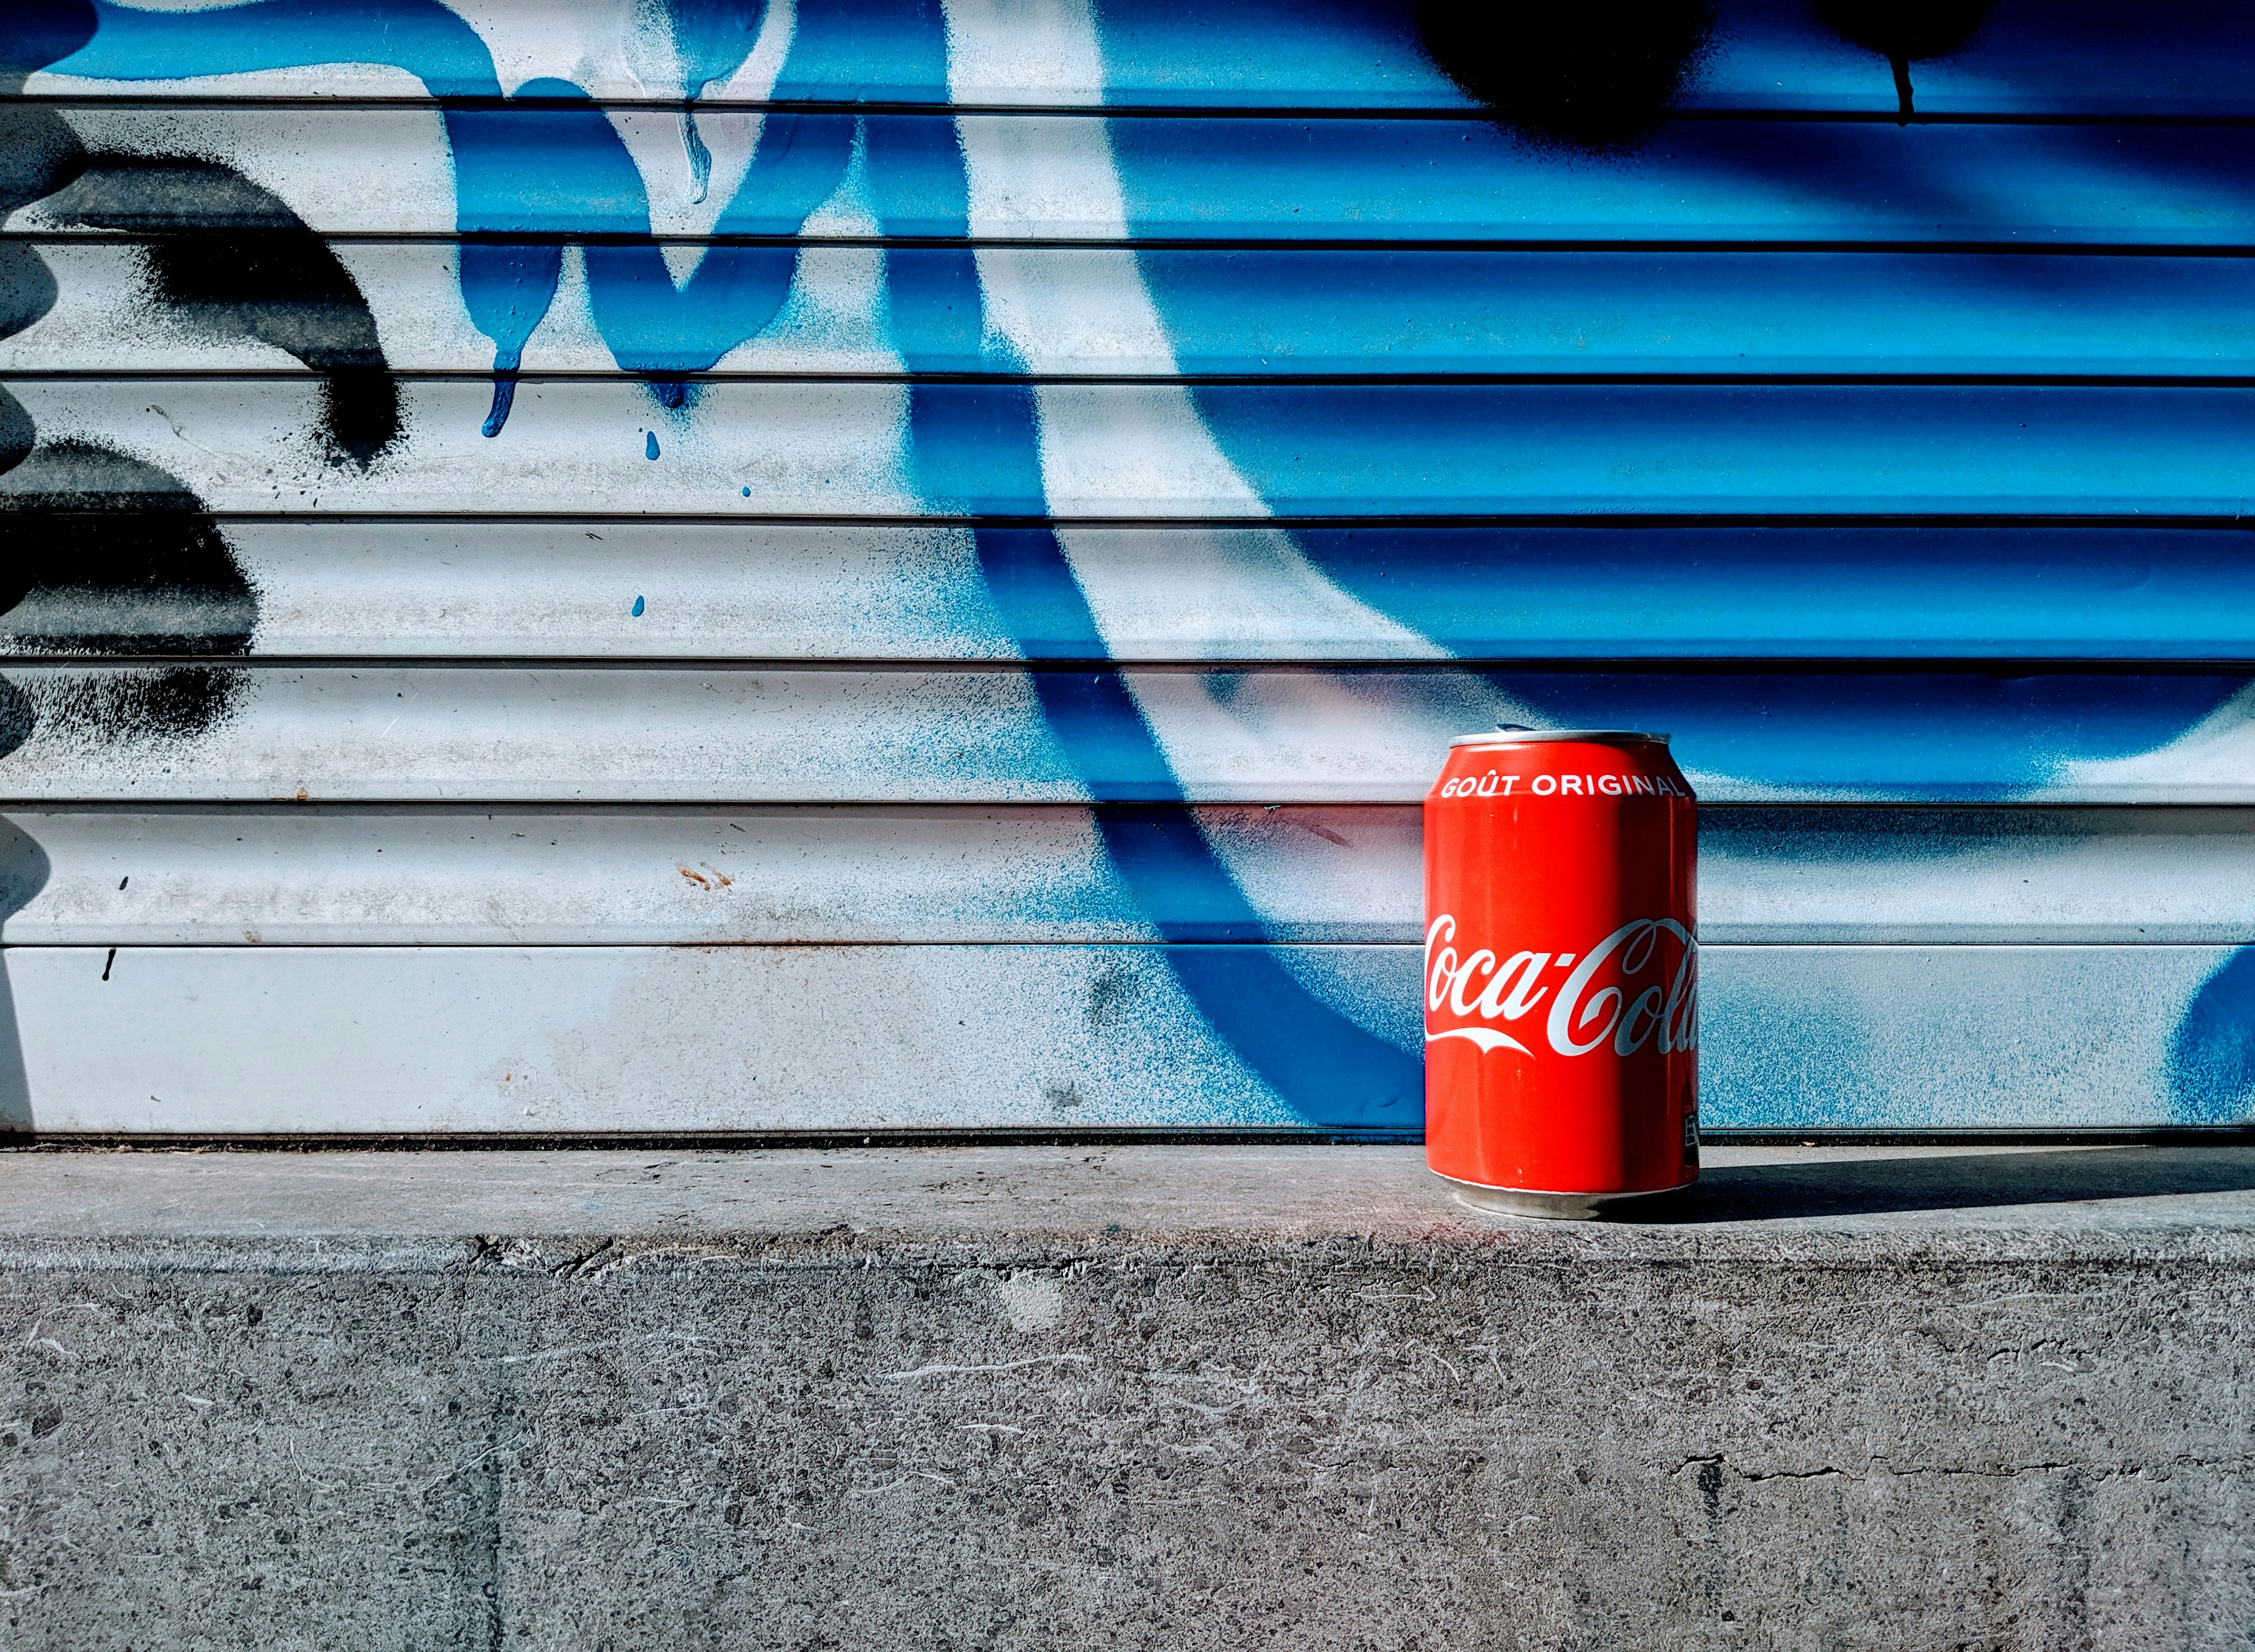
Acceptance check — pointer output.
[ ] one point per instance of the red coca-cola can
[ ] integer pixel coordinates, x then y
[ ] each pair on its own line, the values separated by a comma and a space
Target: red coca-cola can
1562, 970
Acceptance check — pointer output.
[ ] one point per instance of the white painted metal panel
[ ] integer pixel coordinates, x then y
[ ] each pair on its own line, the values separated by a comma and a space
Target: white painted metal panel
590, 1038
360, 576
712, 734
525, 877
624, 590
485, 733
724, 592
597, 1038
818, 449
628, 590
1241, 454
194, 733
530, 877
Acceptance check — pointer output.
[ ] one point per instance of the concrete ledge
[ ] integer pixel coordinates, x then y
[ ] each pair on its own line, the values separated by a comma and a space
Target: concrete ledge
1164, 1397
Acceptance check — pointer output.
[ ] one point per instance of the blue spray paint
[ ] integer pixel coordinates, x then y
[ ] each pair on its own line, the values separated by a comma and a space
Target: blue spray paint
2210, 1070
37, 32
650, 444
636, 609
421, 37
507, 289
1330, 1070
526, 180
979, 445
562, 170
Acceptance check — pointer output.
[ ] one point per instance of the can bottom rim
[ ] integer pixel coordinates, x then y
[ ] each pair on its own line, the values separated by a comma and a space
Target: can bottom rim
1557, 1207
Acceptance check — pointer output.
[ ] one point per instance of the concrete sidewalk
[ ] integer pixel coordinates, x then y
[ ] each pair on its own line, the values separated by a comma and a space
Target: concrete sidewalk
1164, 1397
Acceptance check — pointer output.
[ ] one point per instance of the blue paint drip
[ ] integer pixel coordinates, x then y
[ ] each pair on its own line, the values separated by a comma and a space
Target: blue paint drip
636, 609
504, 397
552, 171
747, 493
713, 37
507, 289
650, 444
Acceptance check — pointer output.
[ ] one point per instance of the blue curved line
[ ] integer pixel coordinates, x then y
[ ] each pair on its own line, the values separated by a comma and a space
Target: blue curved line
1322, 1065
2210, 1067
420, 36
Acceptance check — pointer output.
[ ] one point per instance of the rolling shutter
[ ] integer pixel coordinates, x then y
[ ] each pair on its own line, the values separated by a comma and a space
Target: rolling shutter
838, 566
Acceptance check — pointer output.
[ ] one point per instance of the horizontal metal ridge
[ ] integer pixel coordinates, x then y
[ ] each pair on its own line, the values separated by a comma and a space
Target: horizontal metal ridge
2125, 380
402, 1040
1623, 521
1239, 242
1786, 668
883, 1137
1700, 115
605, 874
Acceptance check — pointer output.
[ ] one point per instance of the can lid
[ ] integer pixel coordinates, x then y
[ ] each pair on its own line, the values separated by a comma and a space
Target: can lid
1509, 736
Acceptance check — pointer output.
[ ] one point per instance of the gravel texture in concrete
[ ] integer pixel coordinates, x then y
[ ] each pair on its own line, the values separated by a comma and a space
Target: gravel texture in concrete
1148, 1398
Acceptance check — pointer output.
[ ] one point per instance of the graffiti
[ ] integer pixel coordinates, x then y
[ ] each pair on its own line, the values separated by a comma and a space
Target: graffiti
110, 555
689, 47
1905, 31
131, 565
562, 224
257, 273
1594, 77
958, 440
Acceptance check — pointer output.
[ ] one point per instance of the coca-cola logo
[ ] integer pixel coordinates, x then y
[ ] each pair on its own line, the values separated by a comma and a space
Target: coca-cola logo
1650, 994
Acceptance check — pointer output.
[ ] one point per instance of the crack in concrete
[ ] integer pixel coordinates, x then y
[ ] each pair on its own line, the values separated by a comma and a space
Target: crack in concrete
2098, 1472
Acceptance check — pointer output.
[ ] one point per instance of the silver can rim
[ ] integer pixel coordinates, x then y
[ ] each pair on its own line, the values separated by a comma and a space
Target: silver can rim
1592, 736
1551, 1206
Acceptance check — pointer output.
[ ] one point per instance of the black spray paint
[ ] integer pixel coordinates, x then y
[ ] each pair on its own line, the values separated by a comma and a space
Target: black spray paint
38, 153
112, 556
104, 553
1595, 76
232, 260
1904, 31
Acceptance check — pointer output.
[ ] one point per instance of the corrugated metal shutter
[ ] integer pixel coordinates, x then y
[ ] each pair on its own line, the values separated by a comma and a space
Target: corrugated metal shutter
988, 517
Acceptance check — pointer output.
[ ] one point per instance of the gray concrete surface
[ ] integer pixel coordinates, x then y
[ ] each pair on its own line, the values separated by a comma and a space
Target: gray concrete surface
1146, 1397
